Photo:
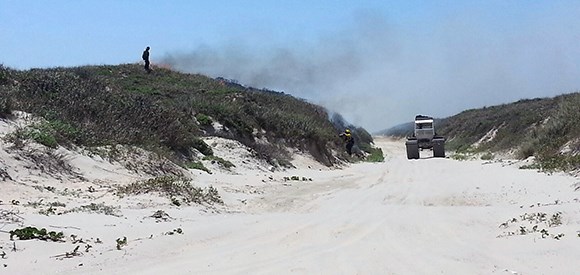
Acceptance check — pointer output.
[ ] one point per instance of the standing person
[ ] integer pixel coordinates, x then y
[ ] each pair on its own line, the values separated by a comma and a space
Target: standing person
145, 57
349, 139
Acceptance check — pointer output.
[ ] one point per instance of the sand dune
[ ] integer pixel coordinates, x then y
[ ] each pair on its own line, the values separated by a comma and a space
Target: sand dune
427, 216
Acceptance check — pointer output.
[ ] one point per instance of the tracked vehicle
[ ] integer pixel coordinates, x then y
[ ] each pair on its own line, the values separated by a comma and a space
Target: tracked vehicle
424, 138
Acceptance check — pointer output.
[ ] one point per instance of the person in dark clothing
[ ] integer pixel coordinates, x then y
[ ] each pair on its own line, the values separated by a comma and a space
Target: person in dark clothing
349, 139
145, 57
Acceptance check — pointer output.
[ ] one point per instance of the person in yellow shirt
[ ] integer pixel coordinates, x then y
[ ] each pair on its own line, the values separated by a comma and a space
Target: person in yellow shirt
349, 139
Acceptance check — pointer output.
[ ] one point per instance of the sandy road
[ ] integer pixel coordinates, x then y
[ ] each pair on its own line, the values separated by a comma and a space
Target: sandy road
427, 216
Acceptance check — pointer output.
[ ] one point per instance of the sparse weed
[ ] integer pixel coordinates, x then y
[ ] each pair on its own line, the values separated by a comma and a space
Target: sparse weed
51, 207
487, 156
297, 178
559, 163
4, 174
175, 201
532, 166
47, 212
10, 216
536, 219
222, 162
74, 253
161, 215
460, 156
121, 243
555, 220
98, 208
45, 188
175, 231
198, 165
174, 188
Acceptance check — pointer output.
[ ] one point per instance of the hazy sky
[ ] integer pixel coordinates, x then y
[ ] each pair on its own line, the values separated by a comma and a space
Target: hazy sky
378, 63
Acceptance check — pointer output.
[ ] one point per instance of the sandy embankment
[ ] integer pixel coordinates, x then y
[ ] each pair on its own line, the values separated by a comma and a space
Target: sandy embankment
429, 216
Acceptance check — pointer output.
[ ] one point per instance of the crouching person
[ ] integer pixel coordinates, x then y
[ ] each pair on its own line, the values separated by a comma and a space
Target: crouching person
349, 140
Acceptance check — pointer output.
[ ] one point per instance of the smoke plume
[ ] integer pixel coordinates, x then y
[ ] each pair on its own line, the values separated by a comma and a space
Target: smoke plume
378, 73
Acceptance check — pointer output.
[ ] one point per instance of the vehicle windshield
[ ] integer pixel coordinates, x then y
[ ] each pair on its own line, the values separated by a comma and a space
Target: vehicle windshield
427, 125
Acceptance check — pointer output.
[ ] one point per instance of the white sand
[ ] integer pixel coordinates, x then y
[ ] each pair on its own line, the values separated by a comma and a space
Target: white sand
427, 216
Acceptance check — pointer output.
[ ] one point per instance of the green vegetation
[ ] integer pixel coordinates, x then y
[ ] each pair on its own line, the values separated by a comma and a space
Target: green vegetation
29, 133
536, 127
222, 162
28, 233
5, 105
203, 120
5, 100
553, 163
376, 155
511, 121
47, 133
177, 189
166, 112
487, 156
198, 165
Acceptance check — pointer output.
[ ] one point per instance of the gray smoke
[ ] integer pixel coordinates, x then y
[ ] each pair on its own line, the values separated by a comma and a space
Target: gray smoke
378, 74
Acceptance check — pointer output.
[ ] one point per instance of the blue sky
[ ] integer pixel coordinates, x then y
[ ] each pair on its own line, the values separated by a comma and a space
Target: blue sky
44, 33
376, 62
